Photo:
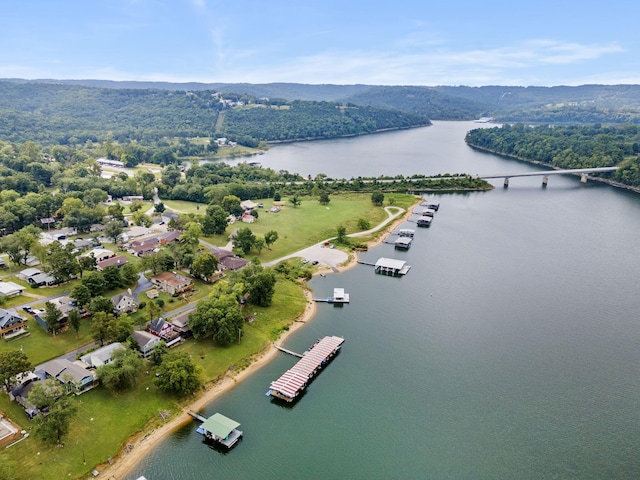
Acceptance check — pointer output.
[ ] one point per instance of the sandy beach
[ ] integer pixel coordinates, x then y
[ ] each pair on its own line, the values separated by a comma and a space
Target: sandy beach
145, 441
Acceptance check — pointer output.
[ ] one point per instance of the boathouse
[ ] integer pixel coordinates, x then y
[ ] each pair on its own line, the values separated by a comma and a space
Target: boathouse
391, 266
428, 212
293, 382
406, 232
432, 204
403, 243
221, 430
424, 221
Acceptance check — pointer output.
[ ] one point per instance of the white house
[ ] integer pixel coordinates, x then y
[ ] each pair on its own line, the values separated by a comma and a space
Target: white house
124, 303
10, 289
146, 341
101, 356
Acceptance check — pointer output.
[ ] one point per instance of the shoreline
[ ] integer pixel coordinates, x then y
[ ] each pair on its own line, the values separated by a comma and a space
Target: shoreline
143, 442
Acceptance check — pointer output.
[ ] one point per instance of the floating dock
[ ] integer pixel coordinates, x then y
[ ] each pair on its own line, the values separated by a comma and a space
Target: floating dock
338, 297
424, 221
219, 429
403, 243
295, 380
392, 267
406, 232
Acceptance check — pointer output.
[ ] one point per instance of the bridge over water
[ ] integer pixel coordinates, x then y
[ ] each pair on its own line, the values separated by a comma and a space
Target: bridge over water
583, 172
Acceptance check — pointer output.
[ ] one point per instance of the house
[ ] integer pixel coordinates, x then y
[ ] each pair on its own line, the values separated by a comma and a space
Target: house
72, 375
101, 356
169, 237
99, 254
41, 279
181, 324
118, 261
163, 329
27, 273
82, 244
10, 289
60, 234
11, 324
142, 248
171, 283
110, 163
124, 303
248, 205
248, 218
146, 341
228, 261
168, 216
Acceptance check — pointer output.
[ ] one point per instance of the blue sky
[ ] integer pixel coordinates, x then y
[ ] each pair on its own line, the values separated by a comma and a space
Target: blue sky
402, 42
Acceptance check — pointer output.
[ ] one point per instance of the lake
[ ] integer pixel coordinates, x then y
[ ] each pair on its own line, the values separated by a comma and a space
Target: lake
510, 350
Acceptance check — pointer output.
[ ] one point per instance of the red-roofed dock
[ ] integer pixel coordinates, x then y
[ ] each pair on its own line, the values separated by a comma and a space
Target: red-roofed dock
293, 382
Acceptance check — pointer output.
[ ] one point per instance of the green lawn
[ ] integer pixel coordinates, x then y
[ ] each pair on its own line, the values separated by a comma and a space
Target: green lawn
311, 222
104, 420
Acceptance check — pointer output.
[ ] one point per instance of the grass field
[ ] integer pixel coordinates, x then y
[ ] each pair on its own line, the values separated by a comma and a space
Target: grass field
104, 420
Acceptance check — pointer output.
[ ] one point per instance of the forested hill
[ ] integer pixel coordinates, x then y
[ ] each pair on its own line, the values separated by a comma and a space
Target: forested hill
72, 114
560, 104
578, 146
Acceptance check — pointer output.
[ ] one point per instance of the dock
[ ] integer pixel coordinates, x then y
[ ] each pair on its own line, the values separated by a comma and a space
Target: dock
220, 430
338, 297
290, 352
391, 267
197, 416
294, 381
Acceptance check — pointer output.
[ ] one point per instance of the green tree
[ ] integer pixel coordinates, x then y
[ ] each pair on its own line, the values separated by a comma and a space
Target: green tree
277, 197
159, 207
12, 363
377, 198
129, 274
74, 319
101, 304
108, 327
270, 238
179, 374
123, 370
295, 200
215, 220
342, 235
324, 198
204, 266
231, 204
261, 288
219, 317
244, 240
159, 351
94, 281
191, 234
112, 277
87, 263
363, 224
62, 261
81, 294
49, 396
52, 317
113, 230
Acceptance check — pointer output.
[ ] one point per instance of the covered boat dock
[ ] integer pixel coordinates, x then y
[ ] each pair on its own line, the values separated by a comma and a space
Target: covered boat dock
294, 381
221, 430
391, 266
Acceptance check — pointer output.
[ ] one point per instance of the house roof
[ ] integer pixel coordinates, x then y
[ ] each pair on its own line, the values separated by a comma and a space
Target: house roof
171, 278
60, 367
102, 355
98, 252
9, 288
390, 263
158, 325
143, 338
220, 253
28, 272
220, 425
118, 260
8, 318
234, 263
42, 278
116, 298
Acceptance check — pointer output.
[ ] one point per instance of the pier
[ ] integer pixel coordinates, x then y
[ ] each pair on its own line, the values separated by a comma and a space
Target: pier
218, 429
294, 381
290, 352
338, 297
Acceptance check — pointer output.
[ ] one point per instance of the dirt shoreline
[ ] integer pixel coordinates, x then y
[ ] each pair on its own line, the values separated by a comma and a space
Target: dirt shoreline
144, 442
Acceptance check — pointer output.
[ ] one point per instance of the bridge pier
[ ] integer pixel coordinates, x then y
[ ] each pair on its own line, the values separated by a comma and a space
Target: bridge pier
545, 180
583, 178
506, 182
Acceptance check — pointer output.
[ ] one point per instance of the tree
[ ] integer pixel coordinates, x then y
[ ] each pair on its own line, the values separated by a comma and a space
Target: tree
49, 396
179, 374
295, 200
158, 353
129, 274
231, 204
215, 220
363, 224
244, 240
62, 261
219, 317
377, 198
12, 363
52, 317
261, 287
81, 294
112, 277
113, 230
101, 304
324, 198
204, 266
108, 327
277, 196
74, 320
159, 207
94, 281
87, 263
123, 370
191, 234
259, 244
270, 238
141, 219
342, 234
